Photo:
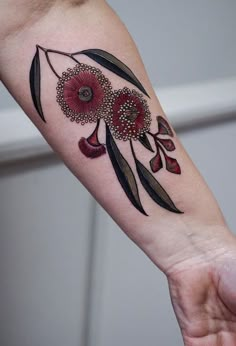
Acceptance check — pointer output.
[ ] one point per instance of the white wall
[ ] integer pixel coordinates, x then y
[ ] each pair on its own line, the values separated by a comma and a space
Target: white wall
182, 41
69, 276
44, 251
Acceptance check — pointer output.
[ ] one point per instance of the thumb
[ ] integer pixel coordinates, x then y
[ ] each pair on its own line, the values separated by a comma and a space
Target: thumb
227, 284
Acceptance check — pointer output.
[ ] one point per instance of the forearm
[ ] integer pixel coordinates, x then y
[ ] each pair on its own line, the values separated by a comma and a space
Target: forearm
167, 237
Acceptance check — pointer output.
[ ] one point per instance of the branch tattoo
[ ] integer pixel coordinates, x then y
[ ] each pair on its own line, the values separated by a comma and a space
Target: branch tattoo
85, 95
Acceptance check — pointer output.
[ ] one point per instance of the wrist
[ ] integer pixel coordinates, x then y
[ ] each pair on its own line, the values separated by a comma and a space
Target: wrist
202, 290
186, 246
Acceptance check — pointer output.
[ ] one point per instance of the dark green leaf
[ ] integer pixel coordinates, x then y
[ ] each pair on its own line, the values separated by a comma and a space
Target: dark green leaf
34, 78
154, 189
113, 64
123, 172
145, 142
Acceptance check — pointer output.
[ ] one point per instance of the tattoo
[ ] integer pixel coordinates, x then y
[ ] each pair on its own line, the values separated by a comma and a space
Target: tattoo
85, 95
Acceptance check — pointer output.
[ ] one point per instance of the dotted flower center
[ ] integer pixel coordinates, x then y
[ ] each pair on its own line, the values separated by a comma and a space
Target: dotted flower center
130, 116
129, 112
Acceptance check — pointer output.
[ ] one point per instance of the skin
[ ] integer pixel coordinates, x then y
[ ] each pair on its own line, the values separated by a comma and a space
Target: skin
195, 250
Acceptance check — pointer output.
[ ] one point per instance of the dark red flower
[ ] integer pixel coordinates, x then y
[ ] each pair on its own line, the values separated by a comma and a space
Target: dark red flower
90, 150
130, 116
84, 93
91, 147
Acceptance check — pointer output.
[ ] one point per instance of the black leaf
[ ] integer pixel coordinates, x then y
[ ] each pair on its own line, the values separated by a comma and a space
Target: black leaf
154, 189
113, 64
145, 142
123, 172
34, 78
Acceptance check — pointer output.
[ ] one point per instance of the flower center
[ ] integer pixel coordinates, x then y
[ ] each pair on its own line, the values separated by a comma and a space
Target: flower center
85, 93
131, 114
129, 111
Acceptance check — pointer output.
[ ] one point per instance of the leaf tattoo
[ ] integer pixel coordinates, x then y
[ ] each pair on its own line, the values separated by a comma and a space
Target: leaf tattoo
123, 172
86, 95
35, 80
113, 64
153, 188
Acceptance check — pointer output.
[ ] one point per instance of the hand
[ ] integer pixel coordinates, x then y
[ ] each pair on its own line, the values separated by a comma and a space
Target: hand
203, 294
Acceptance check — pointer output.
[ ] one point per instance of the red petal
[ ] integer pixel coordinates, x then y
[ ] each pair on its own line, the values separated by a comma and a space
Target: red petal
172, 165
156, 163
89, 150
163, 127
70, 92
167, 143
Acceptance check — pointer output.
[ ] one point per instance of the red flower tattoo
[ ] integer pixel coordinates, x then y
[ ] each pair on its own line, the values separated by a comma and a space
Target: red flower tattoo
130, 117
84, 94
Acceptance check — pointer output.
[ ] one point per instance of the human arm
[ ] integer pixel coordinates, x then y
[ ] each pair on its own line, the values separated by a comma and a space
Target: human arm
162, 235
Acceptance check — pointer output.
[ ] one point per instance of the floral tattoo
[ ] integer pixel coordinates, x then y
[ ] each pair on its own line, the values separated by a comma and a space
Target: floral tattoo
85, 95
